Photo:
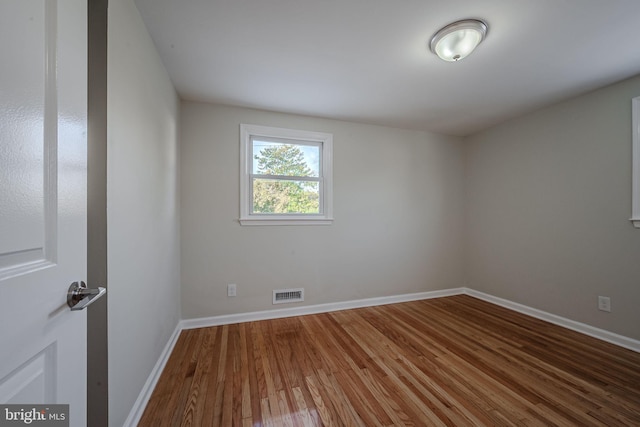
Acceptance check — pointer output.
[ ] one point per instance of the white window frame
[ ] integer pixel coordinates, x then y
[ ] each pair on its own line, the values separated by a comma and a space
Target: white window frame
325, 217
635, 174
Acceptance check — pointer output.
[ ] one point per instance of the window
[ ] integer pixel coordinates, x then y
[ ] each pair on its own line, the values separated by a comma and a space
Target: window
285, 176
635, 184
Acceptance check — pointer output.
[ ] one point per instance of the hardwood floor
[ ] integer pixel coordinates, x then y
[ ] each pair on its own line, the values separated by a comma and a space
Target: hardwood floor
454, 361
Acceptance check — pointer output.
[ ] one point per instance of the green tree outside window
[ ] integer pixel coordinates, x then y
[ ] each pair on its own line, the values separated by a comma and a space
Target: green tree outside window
284, 195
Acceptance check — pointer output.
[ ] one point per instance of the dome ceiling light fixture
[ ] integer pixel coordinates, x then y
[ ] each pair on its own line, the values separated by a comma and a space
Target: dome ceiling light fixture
458, 39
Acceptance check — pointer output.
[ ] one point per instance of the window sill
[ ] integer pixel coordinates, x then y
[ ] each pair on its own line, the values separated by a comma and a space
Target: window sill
286, 221
635, 222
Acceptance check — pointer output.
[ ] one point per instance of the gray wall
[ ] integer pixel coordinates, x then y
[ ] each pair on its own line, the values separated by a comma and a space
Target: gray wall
143, 208
398, 198
548, 202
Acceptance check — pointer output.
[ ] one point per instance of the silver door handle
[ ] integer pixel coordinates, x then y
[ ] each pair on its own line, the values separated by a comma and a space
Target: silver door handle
79, 297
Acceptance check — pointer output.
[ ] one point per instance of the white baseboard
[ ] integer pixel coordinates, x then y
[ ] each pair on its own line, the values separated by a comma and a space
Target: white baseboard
228, 319
592, 331
145, 394
610, 337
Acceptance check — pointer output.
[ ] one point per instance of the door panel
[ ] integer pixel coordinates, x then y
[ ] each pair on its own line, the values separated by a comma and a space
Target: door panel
43, 95
31, 382
24, 172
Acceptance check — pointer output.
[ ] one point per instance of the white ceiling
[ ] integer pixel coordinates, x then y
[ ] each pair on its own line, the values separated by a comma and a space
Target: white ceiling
368, 60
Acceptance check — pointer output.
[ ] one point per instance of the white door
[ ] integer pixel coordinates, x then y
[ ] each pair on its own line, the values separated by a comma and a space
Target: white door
43, 103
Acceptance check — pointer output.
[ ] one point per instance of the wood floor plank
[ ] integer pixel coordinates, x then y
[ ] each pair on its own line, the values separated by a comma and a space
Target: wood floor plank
245, 399
177, 367
454, 361
222, 378
199, 384
206, 416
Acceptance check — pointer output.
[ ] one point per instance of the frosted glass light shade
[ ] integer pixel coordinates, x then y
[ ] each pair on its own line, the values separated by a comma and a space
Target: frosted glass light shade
456, 41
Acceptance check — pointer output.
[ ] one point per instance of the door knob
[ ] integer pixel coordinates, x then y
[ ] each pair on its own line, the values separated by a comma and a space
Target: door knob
79, 296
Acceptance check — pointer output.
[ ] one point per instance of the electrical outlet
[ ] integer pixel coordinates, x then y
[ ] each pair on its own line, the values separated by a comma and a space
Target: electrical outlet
604, 304
231, 290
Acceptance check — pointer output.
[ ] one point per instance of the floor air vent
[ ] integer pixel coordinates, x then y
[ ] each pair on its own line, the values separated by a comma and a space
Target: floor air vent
281, 296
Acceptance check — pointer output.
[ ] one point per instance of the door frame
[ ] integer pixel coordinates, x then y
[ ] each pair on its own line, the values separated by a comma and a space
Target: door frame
97, 338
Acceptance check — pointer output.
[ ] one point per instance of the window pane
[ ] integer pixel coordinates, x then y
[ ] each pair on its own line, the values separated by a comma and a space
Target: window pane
286, 196
277, 158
